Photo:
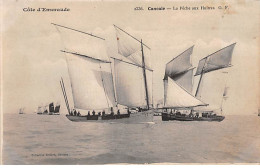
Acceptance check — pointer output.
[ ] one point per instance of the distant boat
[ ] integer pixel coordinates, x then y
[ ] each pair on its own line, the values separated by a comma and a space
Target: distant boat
21, 111
258, 112
54, 110
42, 110
107, 93
180, 77
39, 110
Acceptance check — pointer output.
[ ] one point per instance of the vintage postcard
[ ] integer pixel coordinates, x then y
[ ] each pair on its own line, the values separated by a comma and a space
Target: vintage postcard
130, 82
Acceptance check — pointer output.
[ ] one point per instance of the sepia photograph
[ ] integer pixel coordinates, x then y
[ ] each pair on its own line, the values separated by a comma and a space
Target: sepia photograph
130, 82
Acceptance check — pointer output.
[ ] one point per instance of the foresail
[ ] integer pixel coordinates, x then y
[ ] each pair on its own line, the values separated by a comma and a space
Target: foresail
178, 97
91, 81
129, 84
218, 60
85, 44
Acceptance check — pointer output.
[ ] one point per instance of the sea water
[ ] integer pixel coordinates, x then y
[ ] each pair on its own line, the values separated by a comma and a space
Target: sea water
49, 139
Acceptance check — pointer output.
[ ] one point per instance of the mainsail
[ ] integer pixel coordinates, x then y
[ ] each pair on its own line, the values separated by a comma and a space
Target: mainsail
89, 69
133, 90
180, 69
91, 80
130, 89
216, 61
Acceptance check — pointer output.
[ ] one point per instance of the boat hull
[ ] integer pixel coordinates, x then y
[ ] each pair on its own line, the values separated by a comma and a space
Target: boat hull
168, 117
140, 117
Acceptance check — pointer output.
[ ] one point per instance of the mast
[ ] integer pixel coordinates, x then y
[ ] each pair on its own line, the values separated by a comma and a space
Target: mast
201, 75
144, 74
64, 94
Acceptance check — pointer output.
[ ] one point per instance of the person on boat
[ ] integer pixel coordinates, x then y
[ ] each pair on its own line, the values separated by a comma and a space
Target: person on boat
103, 113
128, 111
93, 112
75, 112
78, 114
88, 113
178, 113
99, 113
118, 112
197, 115
191, 114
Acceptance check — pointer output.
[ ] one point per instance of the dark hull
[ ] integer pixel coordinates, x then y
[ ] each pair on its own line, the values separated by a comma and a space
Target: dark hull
167, 117
145, 116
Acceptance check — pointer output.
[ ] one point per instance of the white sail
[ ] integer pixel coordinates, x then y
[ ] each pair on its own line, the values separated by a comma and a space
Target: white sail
178, 97
211, 90
86, 44
91, 81
211, 85
179, 64
218, 60
129, 84
130, 47
185, 80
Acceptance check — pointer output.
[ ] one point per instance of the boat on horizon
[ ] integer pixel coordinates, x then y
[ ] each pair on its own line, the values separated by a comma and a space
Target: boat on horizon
42, 110
21, 111
101, 86
180, 104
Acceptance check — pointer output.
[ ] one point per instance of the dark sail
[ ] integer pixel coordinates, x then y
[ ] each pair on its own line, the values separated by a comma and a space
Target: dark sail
57, 109
51, 107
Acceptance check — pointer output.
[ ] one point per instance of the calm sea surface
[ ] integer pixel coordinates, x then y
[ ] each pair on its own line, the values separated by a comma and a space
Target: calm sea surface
44, 139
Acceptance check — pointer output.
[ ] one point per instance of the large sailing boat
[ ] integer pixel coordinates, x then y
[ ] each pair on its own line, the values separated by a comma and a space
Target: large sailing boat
99, 88
216, 61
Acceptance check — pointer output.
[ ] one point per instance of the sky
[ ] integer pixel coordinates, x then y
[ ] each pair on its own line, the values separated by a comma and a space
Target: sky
32, 63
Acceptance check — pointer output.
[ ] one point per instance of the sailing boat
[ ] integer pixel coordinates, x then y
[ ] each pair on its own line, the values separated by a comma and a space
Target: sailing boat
92, 80
216, 61
178, 87
39, 110
21, 111
213, 62
54, 110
